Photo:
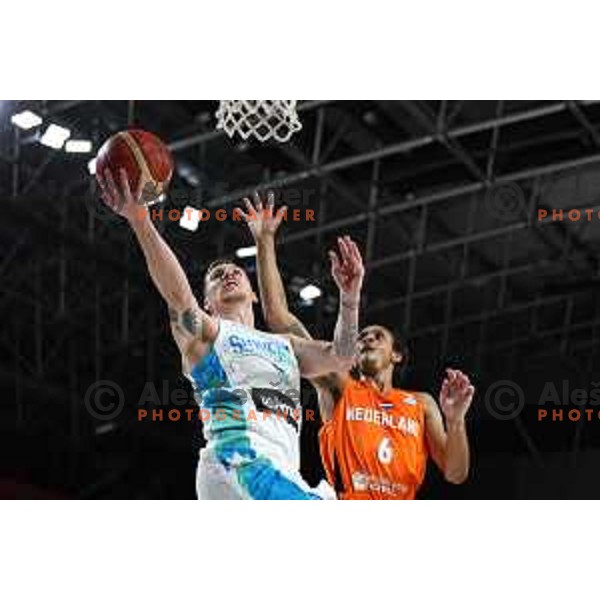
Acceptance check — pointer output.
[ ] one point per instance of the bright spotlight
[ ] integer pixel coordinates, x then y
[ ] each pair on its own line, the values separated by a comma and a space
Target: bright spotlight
55, 136
189, 218
246, 252
79, 146
310, 292
26, 120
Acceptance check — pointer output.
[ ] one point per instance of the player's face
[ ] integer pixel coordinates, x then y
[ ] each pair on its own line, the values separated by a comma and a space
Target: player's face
226, 283
375, 349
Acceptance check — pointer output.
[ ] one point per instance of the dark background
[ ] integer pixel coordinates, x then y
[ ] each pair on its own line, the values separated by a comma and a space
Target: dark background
442, 197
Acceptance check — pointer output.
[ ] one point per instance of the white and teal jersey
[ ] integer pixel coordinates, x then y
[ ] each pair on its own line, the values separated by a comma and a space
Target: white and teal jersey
248, 387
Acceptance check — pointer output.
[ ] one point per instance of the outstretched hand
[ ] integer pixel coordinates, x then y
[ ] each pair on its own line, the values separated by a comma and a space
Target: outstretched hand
263, 221
456, 395
121, 199
347, 269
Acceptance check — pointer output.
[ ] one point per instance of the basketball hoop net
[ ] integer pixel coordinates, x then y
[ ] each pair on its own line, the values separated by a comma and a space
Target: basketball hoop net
263, 119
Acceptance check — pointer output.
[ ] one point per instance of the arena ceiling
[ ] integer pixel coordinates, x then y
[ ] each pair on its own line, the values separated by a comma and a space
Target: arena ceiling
442, 196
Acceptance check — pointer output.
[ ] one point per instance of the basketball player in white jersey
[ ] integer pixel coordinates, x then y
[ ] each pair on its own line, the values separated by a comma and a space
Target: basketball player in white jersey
249, 380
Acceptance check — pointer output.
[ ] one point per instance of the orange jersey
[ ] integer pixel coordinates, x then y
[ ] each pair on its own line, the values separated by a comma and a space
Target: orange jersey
374, 446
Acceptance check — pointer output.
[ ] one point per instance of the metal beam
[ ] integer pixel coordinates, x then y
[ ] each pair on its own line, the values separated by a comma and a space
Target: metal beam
584, 121
493, 314
430, 123
491, 160
103, 252
398, 148
540, 335
436, 197
455, 284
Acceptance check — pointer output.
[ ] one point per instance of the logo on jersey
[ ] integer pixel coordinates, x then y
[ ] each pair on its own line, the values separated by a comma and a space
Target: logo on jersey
362, 482
270, 349
406, 425
275, 402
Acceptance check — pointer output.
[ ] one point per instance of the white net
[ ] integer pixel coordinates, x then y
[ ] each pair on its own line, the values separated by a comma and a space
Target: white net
263, 119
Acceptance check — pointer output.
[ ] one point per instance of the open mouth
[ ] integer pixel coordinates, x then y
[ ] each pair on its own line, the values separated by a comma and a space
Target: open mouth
229, 285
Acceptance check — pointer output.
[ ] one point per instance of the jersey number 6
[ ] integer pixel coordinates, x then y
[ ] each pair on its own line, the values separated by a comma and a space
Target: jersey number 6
385, 452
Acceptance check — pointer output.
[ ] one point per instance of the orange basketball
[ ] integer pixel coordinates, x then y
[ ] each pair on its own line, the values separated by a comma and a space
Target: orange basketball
143, 156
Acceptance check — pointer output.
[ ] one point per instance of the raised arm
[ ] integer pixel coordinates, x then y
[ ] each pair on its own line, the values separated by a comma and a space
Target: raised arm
449, 446
263, 222
188, 321
348, 272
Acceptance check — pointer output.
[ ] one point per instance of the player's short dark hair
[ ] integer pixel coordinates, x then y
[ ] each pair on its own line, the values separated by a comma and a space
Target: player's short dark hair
214, 264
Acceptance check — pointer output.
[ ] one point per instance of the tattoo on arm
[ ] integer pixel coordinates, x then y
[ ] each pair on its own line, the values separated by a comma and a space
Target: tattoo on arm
187, 321
346, 329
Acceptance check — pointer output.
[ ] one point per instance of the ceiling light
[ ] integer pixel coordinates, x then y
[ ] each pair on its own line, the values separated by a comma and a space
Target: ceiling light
55, 136
79, 146
190, 218
310, 292
246, 252
26, 120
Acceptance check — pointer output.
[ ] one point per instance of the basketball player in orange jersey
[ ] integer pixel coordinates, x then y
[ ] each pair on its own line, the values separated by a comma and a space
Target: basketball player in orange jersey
375, 439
